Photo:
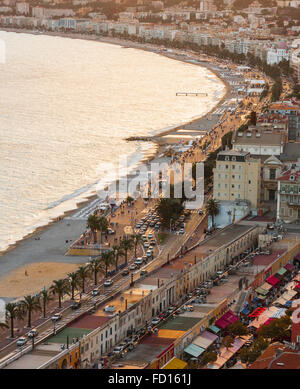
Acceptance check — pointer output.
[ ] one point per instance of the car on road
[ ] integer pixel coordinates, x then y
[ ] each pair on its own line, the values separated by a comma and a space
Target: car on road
125, 272
171, 310
155, 321
21, 341
139, 261
76, 305
32, 333
146, 245
56, 317
133, 267
118, 350
108, 283
150, 236
95, 292
200, 212
110, 231
152, 242
143, 273
109, 308
149, 253
181, 231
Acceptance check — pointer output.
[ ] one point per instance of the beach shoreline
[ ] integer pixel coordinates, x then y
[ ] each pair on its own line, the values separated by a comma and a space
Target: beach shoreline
159, 149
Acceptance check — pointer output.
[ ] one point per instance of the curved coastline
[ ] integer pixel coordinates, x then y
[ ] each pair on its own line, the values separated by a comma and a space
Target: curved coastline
156, 150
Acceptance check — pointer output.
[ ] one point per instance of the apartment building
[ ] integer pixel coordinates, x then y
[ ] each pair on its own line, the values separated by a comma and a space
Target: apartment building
288, 199
271, 170
237, 177
261, 140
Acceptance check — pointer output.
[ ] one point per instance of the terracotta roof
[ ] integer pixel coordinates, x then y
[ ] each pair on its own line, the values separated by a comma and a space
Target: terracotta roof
286, 175
287, 359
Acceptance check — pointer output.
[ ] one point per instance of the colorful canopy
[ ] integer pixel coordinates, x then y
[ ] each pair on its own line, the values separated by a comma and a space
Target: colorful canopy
297, 257
289, 267
282, 271
175, 363
261, 291
272, 280
205, 340
257, 312
228, 318
194, 350
214, 329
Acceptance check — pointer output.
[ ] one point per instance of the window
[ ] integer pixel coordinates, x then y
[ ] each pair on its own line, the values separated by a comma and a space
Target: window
239, 196
272, 174
226, 185
249, 181
219, 194
233, 176
110, 331
233, 166
282, 211
232, 186
219, 175
219, 185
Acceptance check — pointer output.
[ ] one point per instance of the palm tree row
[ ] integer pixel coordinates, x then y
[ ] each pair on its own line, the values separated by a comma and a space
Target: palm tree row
68, 286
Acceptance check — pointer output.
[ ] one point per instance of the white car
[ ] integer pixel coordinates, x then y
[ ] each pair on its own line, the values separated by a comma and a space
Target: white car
108, 283
155, 321
118, 350
139, 261
21, 341
150, 236
56, 317
33, 333
95, 292
181, 231
109, 308
149, 253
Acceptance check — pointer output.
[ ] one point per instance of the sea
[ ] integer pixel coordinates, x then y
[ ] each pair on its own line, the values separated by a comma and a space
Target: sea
66, 107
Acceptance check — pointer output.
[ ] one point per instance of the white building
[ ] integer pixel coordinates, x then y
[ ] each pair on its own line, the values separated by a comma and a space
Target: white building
22, 8
274, 56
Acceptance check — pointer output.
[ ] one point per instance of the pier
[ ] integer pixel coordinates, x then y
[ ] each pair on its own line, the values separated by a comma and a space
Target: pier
191, 94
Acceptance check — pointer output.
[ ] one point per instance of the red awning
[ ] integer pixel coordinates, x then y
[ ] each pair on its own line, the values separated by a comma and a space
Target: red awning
257, 312
228, 318
289, 267
272, 280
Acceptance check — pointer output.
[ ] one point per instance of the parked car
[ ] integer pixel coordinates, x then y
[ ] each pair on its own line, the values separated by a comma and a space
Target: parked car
138, 261
110, 231
21, 341
32, 333
56, 317
181, 231
125, 272
95, 292
152, 242
149, 253
143, 273
155, 321
109, 308
133, 267
150, 236
108, 283
118, 350
76, 305
146, 245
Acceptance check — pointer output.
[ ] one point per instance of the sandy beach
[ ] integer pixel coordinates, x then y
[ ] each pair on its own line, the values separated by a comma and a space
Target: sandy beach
44, 259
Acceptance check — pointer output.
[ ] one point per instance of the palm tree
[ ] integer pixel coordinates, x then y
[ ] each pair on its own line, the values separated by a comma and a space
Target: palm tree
137, 238
107, 258
30, 304
92, 223
96, 266
3, 326
83, 272
102, 226
126, 245
212, 209
60, 287
46, 297
118, 251
13, 312
73, 278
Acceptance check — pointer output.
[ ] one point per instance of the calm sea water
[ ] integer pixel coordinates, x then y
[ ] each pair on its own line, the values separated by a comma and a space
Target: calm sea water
65, 107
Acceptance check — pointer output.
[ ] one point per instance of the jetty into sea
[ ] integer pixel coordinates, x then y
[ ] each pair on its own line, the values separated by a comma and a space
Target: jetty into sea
191, 94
